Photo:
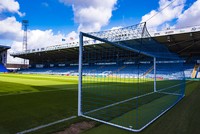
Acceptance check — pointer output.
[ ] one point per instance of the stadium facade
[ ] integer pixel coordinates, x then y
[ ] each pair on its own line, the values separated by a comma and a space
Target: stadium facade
184, 42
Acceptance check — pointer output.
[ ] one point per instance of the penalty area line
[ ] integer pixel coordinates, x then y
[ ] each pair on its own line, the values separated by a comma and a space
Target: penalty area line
46, 125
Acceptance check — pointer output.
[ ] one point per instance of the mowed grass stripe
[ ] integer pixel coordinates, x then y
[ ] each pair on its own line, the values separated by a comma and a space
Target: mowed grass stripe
25, 89
36, 81
21, 112
41, 77
16, 85
14, 88
24, 111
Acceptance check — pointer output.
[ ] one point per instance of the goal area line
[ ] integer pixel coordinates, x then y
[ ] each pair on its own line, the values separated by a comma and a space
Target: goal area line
131, 129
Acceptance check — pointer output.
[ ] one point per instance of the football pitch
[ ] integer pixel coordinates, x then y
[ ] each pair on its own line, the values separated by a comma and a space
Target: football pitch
28, 101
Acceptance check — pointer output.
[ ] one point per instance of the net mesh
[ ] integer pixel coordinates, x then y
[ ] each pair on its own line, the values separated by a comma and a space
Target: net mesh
128, 79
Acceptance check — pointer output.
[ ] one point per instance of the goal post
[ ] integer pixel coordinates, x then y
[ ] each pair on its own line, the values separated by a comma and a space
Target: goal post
80, 72
126, 78
154, 69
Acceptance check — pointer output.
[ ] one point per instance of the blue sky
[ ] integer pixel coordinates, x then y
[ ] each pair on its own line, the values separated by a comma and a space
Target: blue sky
48, 14
52, 20
52, 14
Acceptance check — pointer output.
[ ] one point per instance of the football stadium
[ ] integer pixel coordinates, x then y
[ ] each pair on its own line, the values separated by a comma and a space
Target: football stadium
115, 80
140, 74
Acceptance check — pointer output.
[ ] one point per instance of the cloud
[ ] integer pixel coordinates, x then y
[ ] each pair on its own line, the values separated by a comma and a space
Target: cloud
45, 4
114, 28
10, 29
190, 16
39, 38
10, 6
170, 13
91, 15
15, 46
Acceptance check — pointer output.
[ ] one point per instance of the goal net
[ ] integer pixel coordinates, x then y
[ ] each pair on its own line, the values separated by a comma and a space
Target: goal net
126, 78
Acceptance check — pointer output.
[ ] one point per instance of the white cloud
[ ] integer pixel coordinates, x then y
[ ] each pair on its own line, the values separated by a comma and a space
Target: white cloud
166, 26
10, 29
171, 12
72, 36
114, 28
10, 6
45, 4
39, 38
91, 14
15, 46
191, 16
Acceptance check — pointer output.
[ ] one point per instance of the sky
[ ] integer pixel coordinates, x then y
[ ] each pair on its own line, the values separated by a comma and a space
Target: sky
50, 21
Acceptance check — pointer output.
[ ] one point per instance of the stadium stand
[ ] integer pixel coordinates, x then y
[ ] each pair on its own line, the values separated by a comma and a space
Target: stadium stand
183, 42
164, 69
2, 68
3, 57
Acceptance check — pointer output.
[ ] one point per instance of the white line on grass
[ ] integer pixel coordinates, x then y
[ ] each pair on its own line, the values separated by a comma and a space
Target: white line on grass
118, 103
169, 93
46, 125
172, 86
160, 91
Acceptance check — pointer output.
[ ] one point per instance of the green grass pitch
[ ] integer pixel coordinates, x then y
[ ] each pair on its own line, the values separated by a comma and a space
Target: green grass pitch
28, 101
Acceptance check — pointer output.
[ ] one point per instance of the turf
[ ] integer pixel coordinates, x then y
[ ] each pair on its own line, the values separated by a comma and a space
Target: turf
100, 100
28, 101
181, 119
